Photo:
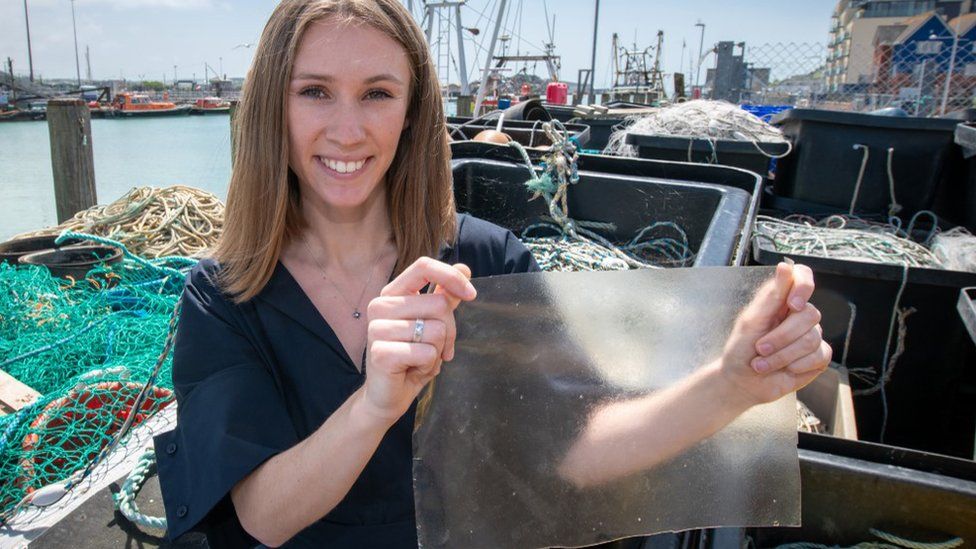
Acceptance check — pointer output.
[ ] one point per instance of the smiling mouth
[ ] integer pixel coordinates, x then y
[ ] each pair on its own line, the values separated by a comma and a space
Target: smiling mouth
343, 167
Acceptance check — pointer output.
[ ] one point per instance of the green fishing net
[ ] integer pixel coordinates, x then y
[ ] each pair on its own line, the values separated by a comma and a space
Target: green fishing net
88, 346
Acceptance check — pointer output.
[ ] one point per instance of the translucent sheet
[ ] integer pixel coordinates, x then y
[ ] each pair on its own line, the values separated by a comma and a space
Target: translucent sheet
536, 354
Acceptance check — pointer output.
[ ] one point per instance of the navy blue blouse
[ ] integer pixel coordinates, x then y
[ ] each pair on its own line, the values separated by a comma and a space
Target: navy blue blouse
254, 379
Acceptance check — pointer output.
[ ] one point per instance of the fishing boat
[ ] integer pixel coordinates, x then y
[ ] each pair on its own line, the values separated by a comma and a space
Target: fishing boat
139, 105
210, 105
35, 112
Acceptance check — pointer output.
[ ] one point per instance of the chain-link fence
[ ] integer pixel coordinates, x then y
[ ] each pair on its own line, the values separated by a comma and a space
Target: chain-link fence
924, 77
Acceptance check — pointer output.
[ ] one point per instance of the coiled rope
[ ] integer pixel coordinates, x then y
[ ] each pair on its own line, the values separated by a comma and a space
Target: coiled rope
153, 222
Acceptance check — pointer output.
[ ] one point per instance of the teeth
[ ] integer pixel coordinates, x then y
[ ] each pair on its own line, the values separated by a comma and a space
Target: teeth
343, 167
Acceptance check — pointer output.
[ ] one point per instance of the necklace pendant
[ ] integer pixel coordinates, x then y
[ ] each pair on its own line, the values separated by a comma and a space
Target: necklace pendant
356, 314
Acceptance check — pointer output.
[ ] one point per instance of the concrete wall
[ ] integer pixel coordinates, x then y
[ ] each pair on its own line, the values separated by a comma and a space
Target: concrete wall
860, 58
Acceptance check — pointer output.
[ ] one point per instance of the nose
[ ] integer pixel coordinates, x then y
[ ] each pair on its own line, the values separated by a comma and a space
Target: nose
345, 126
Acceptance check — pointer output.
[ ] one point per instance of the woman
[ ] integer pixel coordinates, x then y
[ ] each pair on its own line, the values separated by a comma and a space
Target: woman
340, 197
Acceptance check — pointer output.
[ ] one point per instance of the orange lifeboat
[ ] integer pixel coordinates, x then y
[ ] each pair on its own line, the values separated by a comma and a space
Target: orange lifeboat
211, 105
132, 105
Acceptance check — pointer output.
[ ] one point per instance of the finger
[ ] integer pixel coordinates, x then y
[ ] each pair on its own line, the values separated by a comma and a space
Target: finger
426, 271
816, 361
434, 331
397, 357
792, 328
464, 271
448, 352
804, 345
802, 287
410, 307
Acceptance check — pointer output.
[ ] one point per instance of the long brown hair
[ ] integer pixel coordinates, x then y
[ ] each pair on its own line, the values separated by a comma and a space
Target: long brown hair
263, 202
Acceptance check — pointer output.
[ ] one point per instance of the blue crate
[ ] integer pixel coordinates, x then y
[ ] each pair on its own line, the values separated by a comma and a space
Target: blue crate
766, 112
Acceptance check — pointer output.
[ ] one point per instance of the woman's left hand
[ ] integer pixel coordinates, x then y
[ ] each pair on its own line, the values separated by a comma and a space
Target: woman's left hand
777, 346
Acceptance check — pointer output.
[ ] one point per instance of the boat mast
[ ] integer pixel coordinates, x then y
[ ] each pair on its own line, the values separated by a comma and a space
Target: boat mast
75, 27
483, 86
30, 56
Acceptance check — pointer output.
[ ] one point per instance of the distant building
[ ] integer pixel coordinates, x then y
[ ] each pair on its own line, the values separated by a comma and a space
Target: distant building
854, 31
925, 45
913, 60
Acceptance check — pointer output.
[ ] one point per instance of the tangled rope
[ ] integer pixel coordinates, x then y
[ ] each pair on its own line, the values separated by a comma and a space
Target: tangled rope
153, 222
956, 249
564, 253
702, 119
806, 420
574, 245
125, 499
840, 237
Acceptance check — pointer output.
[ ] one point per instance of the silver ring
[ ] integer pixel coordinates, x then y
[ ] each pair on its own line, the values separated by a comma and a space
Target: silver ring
418, 330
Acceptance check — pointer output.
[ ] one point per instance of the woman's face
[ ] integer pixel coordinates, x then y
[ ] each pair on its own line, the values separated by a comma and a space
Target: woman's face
347, 105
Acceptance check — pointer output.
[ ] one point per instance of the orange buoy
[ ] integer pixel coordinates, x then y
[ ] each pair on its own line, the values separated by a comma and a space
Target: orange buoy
493, 136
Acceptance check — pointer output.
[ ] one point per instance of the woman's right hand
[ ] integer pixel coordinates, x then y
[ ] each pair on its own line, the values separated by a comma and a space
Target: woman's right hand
397, 368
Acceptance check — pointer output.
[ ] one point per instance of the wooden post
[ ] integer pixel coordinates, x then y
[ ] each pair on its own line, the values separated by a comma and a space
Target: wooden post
233, 137
69, 125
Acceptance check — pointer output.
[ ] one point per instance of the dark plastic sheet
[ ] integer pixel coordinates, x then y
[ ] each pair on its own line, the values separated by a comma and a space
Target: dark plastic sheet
536, 355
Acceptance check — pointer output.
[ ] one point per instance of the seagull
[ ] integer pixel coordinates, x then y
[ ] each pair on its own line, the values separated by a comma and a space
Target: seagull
244, 45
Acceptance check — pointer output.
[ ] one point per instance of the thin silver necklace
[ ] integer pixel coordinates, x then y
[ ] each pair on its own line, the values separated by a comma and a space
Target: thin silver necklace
355, 308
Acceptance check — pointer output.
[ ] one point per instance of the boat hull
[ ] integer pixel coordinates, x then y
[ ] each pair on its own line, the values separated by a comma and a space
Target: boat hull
218, 110
182, 110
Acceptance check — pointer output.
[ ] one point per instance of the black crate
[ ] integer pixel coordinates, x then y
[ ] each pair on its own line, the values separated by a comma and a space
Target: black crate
828, 150
747, 155
489, 182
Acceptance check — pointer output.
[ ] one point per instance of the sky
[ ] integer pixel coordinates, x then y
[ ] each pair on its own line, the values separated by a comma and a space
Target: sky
144, 39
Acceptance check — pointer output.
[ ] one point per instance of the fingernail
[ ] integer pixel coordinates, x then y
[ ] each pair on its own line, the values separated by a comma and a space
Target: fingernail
471, 293
761, 366
450, 355
797, 303
765, 348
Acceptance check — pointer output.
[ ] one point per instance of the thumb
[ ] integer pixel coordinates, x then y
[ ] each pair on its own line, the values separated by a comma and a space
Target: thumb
769, 306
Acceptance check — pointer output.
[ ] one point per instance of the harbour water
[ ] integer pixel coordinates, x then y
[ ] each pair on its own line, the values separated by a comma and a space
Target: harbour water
183, 150
187, 150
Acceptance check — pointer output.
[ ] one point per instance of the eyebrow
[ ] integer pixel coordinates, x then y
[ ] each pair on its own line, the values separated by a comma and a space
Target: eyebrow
384, 77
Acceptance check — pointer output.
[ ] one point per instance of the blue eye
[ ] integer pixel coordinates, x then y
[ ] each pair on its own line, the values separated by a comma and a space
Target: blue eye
313, 92
378, 94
